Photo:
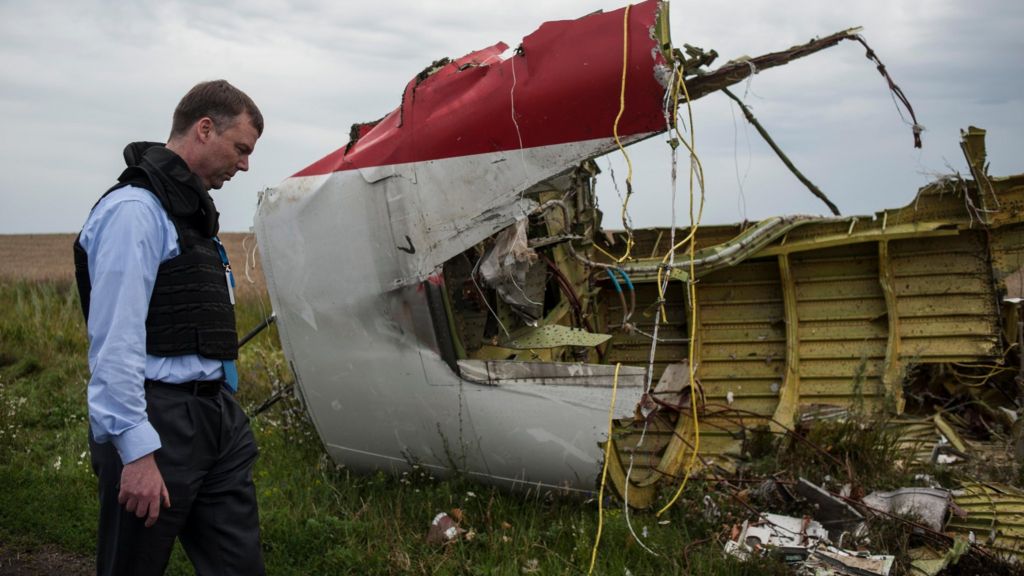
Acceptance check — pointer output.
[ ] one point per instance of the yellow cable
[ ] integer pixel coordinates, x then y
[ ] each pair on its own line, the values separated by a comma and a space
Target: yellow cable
978, 365
615, 132
604, 470
605, 252
979, 379
694, 224
992, 372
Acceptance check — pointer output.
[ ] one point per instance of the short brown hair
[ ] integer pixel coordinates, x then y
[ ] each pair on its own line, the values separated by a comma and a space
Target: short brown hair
218, 100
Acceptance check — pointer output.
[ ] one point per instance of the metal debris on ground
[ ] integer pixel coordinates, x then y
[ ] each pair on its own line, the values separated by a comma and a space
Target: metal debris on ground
835, 514
993, 516
804, 543
928, 505
979, 521
927, 561
785, 537
828, 560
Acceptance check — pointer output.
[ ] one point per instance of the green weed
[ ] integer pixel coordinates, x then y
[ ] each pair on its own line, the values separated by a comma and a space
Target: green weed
859, 450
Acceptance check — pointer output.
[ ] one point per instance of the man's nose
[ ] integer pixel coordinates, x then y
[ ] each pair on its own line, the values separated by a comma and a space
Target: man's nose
243, 163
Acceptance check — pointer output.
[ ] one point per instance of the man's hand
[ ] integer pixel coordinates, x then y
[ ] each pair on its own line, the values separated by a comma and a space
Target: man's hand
143, 489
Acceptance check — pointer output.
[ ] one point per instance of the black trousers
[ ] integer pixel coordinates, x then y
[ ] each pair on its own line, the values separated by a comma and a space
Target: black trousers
206, 461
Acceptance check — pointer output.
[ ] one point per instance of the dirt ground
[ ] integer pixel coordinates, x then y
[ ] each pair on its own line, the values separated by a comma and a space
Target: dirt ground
49, 257
42, 561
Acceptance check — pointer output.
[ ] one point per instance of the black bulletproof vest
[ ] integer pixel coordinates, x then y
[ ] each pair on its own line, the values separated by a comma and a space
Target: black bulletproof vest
190, 311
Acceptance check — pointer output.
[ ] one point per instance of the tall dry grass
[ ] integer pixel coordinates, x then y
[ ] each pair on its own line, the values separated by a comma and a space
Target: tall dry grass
48, 257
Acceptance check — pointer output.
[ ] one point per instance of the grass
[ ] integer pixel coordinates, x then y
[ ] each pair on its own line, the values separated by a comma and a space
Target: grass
319, 518
316, 516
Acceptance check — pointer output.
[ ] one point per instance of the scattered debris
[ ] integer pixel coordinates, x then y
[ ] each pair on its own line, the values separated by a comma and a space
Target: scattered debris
804, 543
830, 560
928, 505
788, 538
993, 516
447, 294
443, 530
981, 522
929, 562
834, 513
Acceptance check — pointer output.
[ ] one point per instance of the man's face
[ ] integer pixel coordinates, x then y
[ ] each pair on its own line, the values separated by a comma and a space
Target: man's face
226, 152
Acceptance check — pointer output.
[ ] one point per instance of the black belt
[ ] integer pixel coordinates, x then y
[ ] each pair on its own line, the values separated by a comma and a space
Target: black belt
194, 388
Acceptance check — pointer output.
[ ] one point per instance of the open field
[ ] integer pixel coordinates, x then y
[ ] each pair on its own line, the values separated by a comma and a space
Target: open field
37, 257
317, 517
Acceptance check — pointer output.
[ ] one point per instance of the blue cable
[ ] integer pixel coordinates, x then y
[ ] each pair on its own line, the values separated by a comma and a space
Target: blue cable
615, 280
629, 283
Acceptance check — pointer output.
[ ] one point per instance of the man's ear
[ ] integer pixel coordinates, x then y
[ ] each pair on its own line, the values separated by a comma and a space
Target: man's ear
205, 129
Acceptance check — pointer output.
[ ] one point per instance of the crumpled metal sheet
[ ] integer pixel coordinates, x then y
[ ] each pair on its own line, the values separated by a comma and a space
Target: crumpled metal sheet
929, 562
561, 383
552, 336
828, 560
994, 516
471, 136
352, 247
933, 440
789, 537
834, 513
838, 313
502, 372
803, 542
929, 506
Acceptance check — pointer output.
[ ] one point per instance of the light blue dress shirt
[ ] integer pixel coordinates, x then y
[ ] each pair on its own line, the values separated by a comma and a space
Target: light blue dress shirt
127, 236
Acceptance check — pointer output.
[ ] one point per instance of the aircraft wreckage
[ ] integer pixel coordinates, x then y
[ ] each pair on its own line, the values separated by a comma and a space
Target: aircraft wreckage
446, 295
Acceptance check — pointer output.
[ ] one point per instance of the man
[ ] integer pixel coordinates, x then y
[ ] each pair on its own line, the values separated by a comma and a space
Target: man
171, 447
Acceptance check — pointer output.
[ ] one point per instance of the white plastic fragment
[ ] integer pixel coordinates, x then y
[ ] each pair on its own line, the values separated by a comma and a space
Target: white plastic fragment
929, 505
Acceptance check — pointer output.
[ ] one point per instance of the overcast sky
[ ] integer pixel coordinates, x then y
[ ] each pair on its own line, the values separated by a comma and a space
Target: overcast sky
83, 78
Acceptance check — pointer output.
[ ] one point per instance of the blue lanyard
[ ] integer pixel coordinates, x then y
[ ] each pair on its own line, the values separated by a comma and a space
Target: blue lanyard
229, 276
224, 260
